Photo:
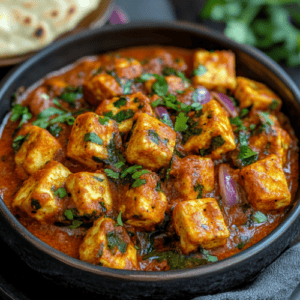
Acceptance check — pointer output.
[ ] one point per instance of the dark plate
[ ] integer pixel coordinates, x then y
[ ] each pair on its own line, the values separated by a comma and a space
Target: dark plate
220, 276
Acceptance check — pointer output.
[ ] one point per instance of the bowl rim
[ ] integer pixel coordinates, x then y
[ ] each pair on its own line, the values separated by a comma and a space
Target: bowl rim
154, 276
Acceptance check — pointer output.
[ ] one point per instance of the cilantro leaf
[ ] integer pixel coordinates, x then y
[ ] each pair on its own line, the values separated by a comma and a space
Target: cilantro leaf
121, 102
259, 217
112, 174
114, 240
160, 87
18, 141
103, 120
93, 138
181, 122
274, 105
60, 192
137, 174
200, 70
20, 111
120, 116
119, 219
199, 188
71, 93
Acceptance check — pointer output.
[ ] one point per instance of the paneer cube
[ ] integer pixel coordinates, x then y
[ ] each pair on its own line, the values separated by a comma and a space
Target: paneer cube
265, 184
194, 176
91, 139
275, 141
214, 70
100, 87
128, 68
122, 109
216, 137
35, 146
252, 93
145, 205
38, 196
199, 223
90, 192
151, 144
108, 245
174, 84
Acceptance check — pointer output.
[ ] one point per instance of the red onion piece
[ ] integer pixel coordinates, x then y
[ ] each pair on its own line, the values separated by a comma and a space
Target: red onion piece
226, 102
163, 115
203, 95
228, 188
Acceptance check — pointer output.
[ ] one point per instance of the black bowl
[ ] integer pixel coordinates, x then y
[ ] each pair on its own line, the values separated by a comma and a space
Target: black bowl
220, 276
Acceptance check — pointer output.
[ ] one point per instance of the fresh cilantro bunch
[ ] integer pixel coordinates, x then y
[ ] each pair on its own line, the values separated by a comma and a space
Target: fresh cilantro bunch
270, 25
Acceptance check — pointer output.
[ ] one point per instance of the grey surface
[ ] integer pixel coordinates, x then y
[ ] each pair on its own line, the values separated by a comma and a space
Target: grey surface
277, 282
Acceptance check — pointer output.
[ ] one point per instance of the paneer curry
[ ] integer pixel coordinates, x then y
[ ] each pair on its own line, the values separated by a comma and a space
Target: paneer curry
149, 158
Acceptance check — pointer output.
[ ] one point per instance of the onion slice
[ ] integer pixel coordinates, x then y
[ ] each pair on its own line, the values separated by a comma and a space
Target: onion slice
163, 115
201, 95
226, 102
228, 187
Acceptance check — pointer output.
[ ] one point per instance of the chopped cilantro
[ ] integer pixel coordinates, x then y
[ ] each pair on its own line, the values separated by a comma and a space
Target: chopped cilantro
18, 141
171, 71
119, 219
199, 188
193, 129
200, 70
49, 112
244, 112
175, 260
137, 174
68, 213
274, 105
243, 242
259, 217
20, 111
103, 120
130, 170
112, 174
127, 87
154, 137
71, 93
138, 182
76, 224
121, 116
55, 129
166, 120
121, 102
247, 155
103, 206
238, 123
157, 102
60, 193
181, 122
144, 77
93, 138
209, 257
158, 187
160, 86
217, 142
114, 240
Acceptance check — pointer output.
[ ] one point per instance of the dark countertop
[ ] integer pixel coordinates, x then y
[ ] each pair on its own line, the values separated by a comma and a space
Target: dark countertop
20, 282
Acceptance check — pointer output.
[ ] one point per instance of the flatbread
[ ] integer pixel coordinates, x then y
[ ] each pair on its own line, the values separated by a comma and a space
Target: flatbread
28, 25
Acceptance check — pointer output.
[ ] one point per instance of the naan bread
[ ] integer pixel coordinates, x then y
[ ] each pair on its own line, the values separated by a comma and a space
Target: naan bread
27, 25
